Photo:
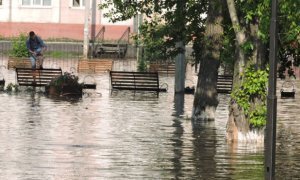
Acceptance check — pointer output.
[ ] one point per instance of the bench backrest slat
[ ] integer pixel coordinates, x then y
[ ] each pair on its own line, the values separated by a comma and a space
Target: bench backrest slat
144, 81
38, 77
224, 83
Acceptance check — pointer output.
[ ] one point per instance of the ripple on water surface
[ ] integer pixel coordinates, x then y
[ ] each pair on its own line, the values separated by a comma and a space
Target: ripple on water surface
123, 135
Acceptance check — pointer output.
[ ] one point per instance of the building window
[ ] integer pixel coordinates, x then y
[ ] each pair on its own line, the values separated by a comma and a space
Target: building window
78, 3
25, 2
0, 2
46, 2
36, 2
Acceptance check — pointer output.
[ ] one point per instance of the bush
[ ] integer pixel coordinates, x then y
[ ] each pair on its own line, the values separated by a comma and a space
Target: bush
253, 86
67, 79
19, 48
142, 65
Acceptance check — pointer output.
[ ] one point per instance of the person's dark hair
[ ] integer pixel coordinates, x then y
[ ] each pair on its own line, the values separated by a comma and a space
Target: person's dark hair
31, 34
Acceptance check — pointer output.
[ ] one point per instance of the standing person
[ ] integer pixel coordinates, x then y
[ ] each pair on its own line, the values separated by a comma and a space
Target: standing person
36, 47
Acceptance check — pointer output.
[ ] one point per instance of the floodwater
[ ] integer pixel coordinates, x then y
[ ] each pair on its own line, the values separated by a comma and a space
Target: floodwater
124, 135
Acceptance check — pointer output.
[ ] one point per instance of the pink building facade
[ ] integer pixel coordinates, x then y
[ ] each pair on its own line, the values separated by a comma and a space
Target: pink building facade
56, 19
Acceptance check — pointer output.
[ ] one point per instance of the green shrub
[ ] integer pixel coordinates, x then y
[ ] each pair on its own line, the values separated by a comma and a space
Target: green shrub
67, 79
142, 65
19, 48
12, 87
253, 86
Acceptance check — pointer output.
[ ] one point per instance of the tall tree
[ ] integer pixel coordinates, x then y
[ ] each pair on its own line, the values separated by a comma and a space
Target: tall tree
249, 26
247, 106
250, 21
205, 101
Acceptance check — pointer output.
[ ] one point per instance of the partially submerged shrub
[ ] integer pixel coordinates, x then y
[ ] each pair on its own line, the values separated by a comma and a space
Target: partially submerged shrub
12, 87
66, 80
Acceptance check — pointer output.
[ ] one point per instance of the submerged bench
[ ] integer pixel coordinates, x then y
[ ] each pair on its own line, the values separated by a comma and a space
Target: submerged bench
138, 81
168, 68
2, 82
224, 84
38, 77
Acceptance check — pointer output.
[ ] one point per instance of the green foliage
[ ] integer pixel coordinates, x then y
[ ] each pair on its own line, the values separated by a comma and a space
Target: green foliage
248, 47
258, 116
252, 88
142, 65
289, 36
166, 22
12, 87
182, 20
61, 54
19, 48
255, 12
152, 41
228, 51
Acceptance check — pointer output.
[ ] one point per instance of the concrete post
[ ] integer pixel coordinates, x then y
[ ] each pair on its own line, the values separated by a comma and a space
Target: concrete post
10, 11
93, 25
86, 29
139, 22
180, 58
180, 69
135, 23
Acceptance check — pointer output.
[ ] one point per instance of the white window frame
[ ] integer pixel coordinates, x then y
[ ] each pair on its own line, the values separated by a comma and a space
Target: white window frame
36, 5
81, 5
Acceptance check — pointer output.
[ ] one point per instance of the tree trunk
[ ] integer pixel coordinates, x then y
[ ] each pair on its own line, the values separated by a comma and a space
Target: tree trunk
259, 51
237, 121
238, 126
240, 38
206, 101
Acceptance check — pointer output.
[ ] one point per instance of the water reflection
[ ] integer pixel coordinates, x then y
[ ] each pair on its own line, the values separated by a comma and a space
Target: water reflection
204, 145
125, 135
178, 132
288, 135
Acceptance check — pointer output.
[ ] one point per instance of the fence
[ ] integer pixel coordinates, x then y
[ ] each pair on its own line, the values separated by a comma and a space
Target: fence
58, 53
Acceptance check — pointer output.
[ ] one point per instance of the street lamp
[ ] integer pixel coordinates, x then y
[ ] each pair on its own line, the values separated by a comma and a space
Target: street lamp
270, 139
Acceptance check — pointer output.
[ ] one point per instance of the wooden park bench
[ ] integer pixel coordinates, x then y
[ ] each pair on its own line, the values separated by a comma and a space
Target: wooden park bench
95, 66
38, 77
137, 81
167, 69
224, 84
18, 63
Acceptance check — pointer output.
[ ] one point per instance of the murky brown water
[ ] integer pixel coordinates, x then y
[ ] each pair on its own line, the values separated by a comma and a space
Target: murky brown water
122, 135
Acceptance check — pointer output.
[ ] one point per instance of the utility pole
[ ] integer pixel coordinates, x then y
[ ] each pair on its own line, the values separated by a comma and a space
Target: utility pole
93, 25
10, 11
270, 139
180, 58
137, 22
180, 69
86, 30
